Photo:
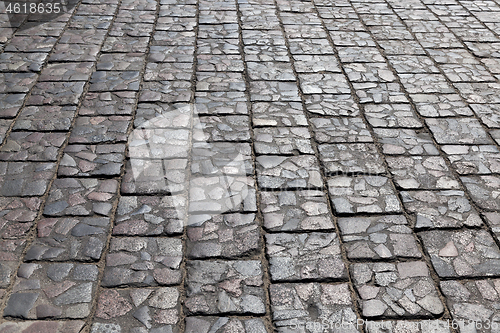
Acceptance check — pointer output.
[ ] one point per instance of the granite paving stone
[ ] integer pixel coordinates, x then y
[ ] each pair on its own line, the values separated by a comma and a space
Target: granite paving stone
172, 38
218, 287
218, 31
484, 190
284, 172
397, 47
282, 114
259, 19
484, 49
165, 91
368, 72
22, 62
331, 105
399, 141
440, 209
412, 64
56, 93
396, 290
222, 129
17, 82
24, 178
375, 92
323, 84
219, 103
476, 160
100, 129
91, 21
80, 71
481, 93
169, 23
117, 103
125, 44
378, 237
31, 44
336, 12
351, 158
343, 24
208, 324
304, 31
316, 63
114, 80
274, 91
391, 115
305, 210
17, 216
264, 53
141, 262
337, 130
425, 83
462, 253
217, 17
95, 9
45, 118
391, 33
217, 46
221, 158
488, 113
92, 160
310, 46
32, 146
438, 40
74, 52
175, 54
440, 105
10, 104
120, 62
83, 36
426, 26
219, 81
467, 73
282, 140
279, 71
168, 71
360, 54
458, 130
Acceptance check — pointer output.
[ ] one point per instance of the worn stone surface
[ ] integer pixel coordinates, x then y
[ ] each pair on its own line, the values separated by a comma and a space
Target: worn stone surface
351, 158
284, 172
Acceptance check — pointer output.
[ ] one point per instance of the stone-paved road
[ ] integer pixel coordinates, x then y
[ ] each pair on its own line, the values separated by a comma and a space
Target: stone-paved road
251, 166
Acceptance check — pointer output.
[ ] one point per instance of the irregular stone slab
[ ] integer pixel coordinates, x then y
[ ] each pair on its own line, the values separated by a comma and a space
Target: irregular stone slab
53, 291
288, 172
313, 256
218, 287
360, 54
421, 172
392, 115
277, 71
81, 197
484, 190
336, 130
178, 10
398, 47
166, 91
412, 64
218, 103
117, 103
17, 216
56, 93
374, 92
216, 81
171, 54
168, 71
139, 262
363, 194
114, 80
351, 158
316, 63
74, 52
401, 290
352, 38
100, 129
302, 46
396, 141
92, 160
84, 37
19, 179
425, 83
30, 146
214, 43
482, 93
30, 44
466, 73
80, 71
221, 158
273, 91
42, 118
61, 239
324, 84
312, 304
125, 44
369, 72
488, 113
120, 62
295, 210
278, 114
220, 63
331, 105
138, 309
433, 105
93, 21
474, 159
378, 237
4, 127
10, 104
458, 130
22, 62
172, 38
282, 140
216, 17
433, 40
442, 209
464, 253
222, 128
208, 324
222, 236
304, 31
74, 326
267, 52
493, 220
258, 18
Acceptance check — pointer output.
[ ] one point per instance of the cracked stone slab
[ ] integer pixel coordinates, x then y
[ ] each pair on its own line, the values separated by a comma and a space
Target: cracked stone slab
391, 33
172, 38
63, 239
140, 262
219, 81
316, 63
280, 114
412, 64
222, 236
56, 93
218, 287
340, 130
274, 91
282, 140
100, 129
368, 72
421, 172
287, 172
400, 141
482, 93
115, 103
73, 326
397, 47
484, 190
56, 290
222, 129
363, 194
351, 158
466, 73
336, 12
258, 18
86, 36
120, 62
378, 237
462, 253
168, 117
114, 80
261, 52
442, 105
218, 103
425, 83
441, 209
74, 52
304, 31
17, 82
10, 104
171, 54
30, 44
22, 62
272, 71
331, 105
493, 220
305, 210
360, 54
178, 10
125, 44
488, 113
438, 40
347, 25
32, 146
312, 304
92, 21
376, 92
312, 256
392, 115
4, 127
217, 17
229, 324
81, 197
484, 49
168, 71
216, 32
352, 38
166, 91
17, 216
402, 290
262, 37
92, 9
92, 160
458, 130
468, 160
138, 310
80, 71
21, 179
168, 23
220, 62
324, 84
302, 46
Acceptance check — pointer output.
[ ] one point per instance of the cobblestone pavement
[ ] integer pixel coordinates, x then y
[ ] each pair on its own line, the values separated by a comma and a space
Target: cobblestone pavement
251, 166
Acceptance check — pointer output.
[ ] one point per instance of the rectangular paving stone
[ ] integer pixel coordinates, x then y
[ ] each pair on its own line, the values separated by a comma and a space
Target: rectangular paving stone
218, 31
207, 324
488, 113
25, 179
165, 91
12, 250
378, 237
467, 73
421, 172
482, 93
125, 44
168, 71
484, 49
391, 115
169, 23
17, 216
296, 211
304, 31
31, 44
219, 45
45, 118
316, 63
313, 256
17, 82
331, 105
29, 146
258, 18
393, 326
83, 36
120, 62
437, 40
22, 62
425, 83
219, 103
4, 127
63, 239
221, 158
288, 172
92, 160
326, 11
274, 91
108, 103
302, 46
278, 114
368, 72
10, 104
172, 38
462, 253
217, 17
222, 129
296, 305
458, 130
114, 80
266, 53
337, 130
80, 71
91, 21
273, 71
219, 81
343, 24
56, 290
375, 92
360, 54
100, 129
141, 262
401, 290
412, 64
484, 190
140, 309
81, 197
400, 141
442, 105
56, 93
150, 215
74, 52
351, 158
324, 84
282, 140
393, 32
397, 47
473, 159
222, 236
96, 9
440, 209
171, 54
363, 194
218, 287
